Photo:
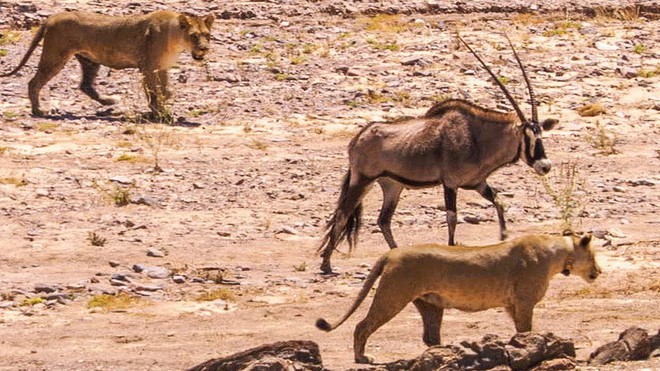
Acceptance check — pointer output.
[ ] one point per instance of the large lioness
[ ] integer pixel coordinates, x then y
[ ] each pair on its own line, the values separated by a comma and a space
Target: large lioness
513, 274
150, 42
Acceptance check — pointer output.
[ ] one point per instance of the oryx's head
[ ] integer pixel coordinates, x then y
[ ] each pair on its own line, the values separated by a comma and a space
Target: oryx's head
531, 146
197, 34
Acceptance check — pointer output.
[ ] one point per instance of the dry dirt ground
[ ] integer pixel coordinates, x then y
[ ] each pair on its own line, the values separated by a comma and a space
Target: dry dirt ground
251, 173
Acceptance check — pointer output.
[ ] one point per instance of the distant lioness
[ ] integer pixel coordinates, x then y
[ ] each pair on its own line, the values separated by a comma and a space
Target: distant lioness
513, 274
150, 42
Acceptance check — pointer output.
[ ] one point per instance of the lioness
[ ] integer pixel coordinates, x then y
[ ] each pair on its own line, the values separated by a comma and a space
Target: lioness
150, 42
513, 274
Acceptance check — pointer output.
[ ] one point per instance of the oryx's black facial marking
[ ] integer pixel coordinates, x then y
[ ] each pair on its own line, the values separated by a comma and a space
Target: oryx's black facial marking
533, 148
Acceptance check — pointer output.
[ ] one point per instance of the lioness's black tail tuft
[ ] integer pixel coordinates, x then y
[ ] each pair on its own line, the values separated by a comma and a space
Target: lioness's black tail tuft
322, 324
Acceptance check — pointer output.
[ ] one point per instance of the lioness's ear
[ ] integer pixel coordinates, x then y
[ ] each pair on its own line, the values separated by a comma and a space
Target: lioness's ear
208, 21
184, 22
585, 240
549, 124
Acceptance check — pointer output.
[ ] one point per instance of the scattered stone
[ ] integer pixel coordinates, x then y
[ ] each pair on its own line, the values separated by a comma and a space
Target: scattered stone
121, 180
155, 253
139, 268
285, 355
40, 287
114, 263
178, 279
471, 219
616, 232
149, 288
145, 200
619, 189
287, 230
156, 272
602, 45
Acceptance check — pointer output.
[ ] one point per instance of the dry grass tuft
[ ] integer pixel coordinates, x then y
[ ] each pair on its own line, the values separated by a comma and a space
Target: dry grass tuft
119, 301
218, 294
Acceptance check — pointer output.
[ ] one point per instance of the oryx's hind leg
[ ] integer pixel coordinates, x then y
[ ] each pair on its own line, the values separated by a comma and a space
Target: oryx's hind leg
354, 188
89, 71
489, 194
391, 194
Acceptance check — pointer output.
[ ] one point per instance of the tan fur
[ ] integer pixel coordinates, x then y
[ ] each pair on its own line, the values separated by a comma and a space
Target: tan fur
513, 274
150, 42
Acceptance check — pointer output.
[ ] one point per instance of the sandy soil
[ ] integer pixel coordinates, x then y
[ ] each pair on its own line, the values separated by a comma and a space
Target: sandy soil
252, 171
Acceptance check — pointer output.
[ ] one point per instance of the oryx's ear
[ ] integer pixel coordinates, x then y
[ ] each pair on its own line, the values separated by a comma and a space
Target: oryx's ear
208, 21
184, 22
549, 124
585, 240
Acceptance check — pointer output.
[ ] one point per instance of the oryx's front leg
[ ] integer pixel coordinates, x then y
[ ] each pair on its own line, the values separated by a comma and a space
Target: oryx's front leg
450, 206
489, 194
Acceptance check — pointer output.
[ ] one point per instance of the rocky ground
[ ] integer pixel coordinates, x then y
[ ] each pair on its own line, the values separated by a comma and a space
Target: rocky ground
107, 263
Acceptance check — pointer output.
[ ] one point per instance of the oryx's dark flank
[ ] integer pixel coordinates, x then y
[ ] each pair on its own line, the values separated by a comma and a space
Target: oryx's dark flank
456, 144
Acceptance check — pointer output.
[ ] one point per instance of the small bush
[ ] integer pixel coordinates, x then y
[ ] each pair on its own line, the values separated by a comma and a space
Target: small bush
603, 141
566, 189
95, 239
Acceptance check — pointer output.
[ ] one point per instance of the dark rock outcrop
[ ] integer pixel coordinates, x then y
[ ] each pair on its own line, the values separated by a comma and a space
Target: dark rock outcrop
284, 355
633, 344
525, 351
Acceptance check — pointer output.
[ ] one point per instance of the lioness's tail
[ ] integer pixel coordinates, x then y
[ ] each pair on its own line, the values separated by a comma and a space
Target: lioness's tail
41, 32
376, 271
335, 233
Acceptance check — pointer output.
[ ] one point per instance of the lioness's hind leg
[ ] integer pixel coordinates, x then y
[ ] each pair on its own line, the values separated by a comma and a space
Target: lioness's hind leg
50, 65
89, 71
432, 319
388, 302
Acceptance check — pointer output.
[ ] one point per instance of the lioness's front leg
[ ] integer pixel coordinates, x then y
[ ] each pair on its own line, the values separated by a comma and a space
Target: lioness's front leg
89, 71
153, 87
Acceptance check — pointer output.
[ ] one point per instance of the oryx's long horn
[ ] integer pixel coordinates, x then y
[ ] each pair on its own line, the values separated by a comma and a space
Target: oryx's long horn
497, 81
532, 99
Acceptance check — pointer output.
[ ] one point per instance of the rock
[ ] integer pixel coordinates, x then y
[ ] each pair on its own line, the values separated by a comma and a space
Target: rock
145, 200
139, 268
155, 253
150, 288
152, 272
120, 277
156, 272
556, 365
633, 344
602, 45
121, 180
178, 279
616, 232
285, 355
114, 263
40, 287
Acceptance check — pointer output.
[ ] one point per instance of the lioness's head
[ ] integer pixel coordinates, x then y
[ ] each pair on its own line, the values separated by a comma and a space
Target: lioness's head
583, 260
197, 34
